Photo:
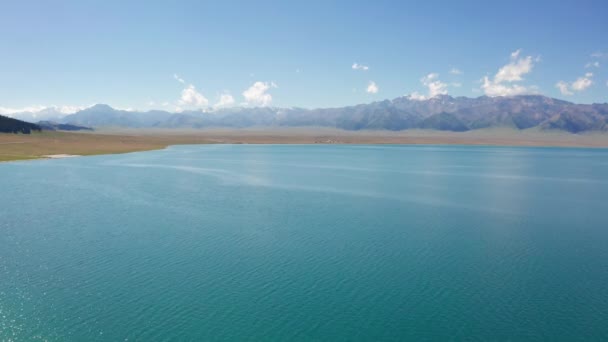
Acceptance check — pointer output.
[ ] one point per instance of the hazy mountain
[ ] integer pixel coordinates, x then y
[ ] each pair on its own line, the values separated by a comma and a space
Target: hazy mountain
11, 125
442, 112
54, 126
102, 115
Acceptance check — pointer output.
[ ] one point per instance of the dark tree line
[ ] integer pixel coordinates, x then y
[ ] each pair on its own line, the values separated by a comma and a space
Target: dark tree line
10, 125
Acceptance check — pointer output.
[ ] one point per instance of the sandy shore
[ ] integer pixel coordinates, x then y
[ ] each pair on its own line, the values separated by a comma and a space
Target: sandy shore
64, 144
60, 156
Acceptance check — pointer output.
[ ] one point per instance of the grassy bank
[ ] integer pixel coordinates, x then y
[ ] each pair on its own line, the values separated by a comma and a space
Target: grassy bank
109, 141
36, 145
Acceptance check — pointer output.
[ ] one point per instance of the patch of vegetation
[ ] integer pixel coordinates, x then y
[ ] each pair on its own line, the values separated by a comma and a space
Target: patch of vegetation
10, 125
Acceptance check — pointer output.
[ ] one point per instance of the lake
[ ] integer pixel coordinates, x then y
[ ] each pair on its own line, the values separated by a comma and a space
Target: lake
306, 242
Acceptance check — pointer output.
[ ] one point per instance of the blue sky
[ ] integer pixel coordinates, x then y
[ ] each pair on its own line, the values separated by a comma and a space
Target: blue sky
195, 54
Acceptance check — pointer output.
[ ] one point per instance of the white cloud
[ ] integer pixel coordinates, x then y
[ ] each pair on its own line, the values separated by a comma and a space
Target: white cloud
429, 77
69, 109
563, 88
9, 111
417, 96
492, 88
595, 64
599, 54
583, 82
579, 85
257, 94
226, 100
191, 97
456, 71
179, 79
456, 84
372, 87
502, 83
434, 85
48, 111
513, 71
357, 66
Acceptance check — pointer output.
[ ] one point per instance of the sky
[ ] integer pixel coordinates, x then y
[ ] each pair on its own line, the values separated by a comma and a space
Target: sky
177, 55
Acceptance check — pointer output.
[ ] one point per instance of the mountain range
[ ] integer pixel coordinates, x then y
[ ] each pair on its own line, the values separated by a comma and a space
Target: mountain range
54, 126
442, 112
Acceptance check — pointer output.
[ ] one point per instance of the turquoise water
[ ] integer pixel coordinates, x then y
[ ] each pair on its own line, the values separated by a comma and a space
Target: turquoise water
306, 243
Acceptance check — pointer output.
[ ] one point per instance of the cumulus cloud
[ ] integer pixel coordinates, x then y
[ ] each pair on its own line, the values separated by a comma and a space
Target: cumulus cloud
357, 66
226, 100
491, 88
257, 94
564, 88
434, 85
583, 82
578, 85
515, 70
503, 82
372, 87
417, 96
455, 71
191, 97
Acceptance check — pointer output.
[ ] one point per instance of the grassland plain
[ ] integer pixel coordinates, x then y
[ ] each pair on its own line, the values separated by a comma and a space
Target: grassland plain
110, 141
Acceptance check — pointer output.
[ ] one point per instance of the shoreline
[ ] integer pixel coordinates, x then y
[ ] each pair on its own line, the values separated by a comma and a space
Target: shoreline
60, 156
56, 145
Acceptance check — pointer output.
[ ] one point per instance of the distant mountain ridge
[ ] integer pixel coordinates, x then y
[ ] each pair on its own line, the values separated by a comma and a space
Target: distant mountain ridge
53, 126
442, 112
